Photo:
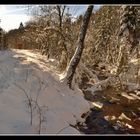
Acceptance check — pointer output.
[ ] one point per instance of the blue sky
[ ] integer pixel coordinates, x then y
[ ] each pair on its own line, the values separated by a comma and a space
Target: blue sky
12, 15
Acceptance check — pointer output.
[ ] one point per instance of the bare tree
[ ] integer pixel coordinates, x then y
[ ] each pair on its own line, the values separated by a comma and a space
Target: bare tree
60, 10
80, 46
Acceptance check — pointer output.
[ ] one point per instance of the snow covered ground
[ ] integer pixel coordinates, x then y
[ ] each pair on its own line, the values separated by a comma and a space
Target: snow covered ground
29, 83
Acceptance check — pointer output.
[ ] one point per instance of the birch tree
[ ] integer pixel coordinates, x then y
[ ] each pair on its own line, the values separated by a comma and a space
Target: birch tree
80, 46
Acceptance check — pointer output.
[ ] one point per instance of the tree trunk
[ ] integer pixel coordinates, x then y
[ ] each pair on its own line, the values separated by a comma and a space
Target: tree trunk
80, 46
61, 11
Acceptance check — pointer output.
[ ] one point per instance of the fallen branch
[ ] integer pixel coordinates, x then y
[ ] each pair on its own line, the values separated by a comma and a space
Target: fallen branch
62, 129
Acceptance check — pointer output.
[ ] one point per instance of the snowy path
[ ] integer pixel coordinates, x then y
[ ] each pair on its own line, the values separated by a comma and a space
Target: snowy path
25, 73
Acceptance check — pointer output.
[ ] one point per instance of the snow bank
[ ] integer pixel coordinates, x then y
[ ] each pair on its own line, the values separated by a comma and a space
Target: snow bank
25, 73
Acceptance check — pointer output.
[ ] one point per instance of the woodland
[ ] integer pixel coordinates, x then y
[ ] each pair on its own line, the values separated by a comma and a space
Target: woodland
61, 74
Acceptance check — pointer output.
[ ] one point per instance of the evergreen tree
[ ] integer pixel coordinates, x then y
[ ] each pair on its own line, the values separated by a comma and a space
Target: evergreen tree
21, 26
127, 35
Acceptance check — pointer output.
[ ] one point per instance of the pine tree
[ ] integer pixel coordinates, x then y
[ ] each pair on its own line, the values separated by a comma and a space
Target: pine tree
21, 26
127, 35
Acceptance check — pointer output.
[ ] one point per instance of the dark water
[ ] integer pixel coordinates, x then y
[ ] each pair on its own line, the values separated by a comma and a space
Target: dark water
97, 124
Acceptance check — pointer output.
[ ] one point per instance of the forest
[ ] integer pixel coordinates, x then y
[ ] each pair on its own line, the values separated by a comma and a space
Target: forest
66, 74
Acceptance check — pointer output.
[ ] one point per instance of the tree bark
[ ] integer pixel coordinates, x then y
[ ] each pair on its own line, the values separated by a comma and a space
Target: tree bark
80, 46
